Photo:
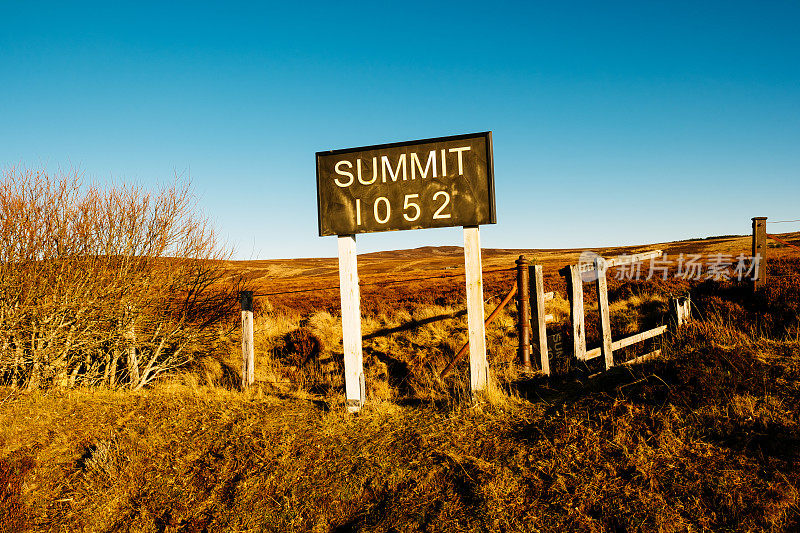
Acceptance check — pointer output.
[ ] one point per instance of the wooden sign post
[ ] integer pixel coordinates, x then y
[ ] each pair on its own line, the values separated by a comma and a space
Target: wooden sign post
478, 367
351, 323
430, 183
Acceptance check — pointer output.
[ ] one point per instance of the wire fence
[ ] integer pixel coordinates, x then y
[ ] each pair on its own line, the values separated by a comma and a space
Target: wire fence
461, 274
447, 274
380, 283
785, 243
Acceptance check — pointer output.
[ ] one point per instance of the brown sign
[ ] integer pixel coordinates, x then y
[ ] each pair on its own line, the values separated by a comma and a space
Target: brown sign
431, 183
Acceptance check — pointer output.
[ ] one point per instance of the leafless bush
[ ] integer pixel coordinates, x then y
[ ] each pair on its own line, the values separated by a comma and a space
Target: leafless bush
110, 285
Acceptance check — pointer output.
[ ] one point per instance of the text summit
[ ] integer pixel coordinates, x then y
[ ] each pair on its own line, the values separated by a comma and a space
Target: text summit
413, 166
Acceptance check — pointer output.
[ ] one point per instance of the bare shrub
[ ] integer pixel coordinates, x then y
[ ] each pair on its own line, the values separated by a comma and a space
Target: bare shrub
112, 285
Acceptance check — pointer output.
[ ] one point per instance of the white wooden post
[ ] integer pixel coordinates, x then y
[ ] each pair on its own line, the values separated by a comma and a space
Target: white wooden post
606, 348
478, 367
682, 307
351, 323
248, 350
540, 319
577, 312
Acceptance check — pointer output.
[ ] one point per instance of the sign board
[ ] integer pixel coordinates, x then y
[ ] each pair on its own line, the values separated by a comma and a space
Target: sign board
430, 183
555, 345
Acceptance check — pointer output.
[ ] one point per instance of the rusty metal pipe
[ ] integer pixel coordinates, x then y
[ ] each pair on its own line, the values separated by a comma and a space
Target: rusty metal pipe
523, 312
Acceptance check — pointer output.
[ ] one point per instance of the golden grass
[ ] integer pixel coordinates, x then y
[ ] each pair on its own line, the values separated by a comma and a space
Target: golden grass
697, 440
703, 438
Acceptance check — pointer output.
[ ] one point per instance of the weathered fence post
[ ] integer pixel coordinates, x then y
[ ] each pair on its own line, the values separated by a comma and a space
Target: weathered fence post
248, 350
575, 290
523, 313
132, 357
540, 319
682, 309
759, 251
602, 307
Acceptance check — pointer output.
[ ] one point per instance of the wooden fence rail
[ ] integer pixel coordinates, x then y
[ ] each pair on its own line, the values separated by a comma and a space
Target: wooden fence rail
597, 270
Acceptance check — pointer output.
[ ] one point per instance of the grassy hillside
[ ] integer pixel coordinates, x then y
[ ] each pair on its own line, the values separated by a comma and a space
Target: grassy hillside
704, 438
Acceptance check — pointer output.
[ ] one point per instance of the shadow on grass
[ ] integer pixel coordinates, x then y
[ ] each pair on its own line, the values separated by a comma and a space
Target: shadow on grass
414, 324
702, 385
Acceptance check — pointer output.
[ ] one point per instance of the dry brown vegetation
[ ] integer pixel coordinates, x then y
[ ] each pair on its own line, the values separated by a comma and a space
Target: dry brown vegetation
703, 438
109, 285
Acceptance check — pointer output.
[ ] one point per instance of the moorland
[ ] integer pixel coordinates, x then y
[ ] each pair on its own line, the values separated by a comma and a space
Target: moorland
121, 406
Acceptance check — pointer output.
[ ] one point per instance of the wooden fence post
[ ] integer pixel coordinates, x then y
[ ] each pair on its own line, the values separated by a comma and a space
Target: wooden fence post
575, 291
540, 319
132, 358
478, 367
131, 355
248, 350
523, 313
759, 251
676, 311
602, 306
682, 309
351, 323
687, 309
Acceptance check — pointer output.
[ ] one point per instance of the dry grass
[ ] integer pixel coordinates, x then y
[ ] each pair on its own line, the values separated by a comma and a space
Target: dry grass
705, 439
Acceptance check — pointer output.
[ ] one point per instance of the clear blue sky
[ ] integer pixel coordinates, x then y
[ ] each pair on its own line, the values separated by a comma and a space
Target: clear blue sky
613, 122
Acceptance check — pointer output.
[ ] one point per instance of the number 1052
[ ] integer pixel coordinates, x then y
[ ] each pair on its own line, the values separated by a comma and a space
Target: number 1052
382, 209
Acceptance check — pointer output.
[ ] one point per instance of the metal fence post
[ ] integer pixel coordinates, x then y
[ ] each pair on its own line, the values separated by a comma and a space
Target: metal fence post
523, 313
